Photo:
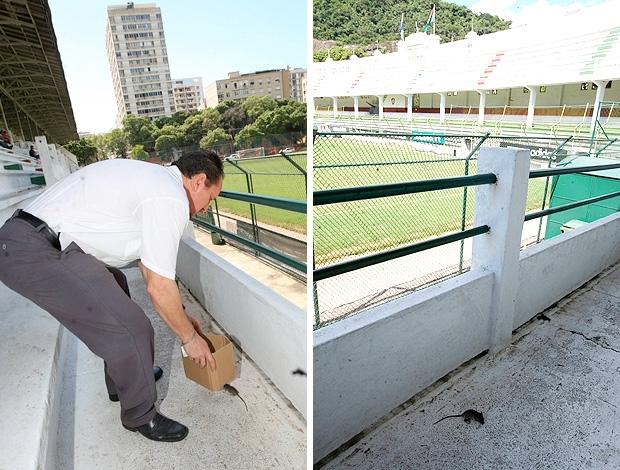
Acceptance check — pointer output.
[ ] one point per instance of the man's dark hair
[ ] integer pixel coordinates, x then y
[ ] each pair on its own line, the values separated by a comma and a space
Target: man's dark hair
201, 161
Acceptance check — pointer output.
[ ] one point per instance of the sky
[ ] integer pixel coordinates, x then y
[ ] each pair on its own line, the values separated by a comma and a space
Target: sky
205, 38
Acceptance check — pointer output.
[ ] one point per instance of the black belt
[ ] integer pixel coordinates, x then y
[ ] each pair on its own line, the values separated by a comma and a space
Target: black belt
39, 226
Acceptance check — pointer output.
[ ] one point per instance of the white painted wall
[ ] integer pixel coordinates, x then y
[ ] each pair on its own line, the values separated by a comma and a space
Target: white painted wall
268, 327
366, 365
578, 255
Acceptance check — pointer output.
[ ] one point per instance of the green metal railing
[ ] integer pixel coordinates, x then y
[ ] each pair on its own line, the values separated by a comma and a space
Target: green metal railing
572, 205
270, 201
381, 196
262, 209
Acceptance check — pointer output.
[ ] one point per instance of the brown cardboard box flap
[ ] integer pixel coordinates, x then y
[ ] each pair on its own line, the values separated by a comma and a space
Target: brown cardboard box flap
222, 350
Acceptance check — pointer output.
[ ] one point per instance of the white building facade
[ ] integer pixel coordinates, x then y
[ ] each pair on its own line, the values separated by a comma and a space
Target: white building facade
138, 59
239, 87
188, 94
298, 84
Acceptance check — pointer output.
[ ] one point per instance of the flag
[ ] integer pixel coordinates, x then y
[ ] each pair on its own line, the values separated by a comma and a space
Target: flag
402, 27
431, 19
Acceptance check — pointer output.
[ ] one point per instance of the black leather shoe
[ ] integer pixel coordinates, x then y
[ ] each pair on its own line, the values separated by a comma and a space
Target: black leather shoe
161, 429
157, 372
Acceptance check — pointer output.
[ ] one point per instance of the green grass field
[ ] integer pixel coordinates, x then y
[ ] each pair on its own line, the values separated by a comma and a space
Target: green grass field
348, 229
270, 176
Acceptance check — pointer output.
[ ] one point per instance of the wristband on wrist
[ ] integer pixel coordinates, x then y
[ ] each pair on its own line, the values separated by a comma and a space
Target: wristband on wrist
183, 343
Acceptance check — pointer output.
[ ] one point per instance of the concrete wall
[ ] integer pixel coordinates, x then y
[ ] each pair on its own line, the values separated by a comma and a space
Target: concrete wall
268, 327
578, 255
366, 365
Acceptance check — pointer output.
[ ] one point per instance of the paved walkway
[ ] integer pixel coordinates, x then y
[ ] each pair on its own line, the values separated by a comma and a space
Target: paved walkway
270, 434
549, 400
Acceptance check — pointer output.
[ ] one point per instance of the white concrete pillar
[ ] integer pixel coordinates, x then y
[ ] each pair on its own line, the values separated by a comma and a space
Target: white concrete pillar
335, 104
442, 107
356, 106
49, 161
501, 206
409, 107
481, 106
600, 94
529, 122
380, 106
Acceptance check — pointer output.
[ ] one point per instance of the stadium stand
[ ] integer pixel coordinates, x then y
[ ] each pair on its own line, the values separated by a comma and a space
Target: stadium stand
541, 75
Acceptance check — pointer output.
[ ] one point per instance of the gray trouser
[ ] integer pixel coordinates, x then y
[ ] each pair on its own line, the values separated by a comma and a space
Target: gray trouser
92, 301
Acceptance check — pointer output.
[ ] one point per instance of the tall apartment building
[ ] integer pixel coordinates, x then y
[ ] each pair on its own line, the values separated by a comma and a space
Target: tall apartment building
188, 94
298, 84
239, 87
138, 60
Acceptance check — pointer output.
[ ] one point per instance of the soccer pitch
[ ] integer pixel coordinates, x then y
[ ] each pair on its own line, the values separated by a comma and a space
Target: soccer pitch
268, 176
344, 230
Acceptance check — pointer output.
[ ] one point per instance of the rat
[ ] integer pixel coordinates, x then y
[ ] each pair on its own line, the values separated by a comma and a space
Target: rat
233, 391
467, 416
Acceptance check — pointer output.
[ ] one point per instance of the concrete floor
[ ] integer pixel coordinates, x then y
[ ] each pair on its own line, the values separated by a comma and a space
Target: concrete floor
270, 434
551, 399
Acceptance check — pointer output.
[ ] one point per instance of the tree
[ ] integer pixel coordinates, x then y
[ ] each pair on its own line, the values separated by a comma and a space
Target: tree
363, 22
224, 105
255, 106
138, 153
213, 137
140, 131
296, 116
116, 142
251, 130
165, 143
176, 119
234, 119
338, 53
85, 151
211, 119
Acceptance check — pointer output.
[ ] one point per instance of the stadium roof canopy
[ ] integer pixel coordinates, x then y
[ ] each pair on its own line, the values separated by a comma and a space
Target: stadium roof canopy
33, 91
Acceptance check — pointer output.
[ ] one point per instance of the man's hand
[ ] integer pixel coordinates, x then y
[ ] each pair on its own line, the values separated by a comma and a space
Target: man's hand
200, 359
199, 352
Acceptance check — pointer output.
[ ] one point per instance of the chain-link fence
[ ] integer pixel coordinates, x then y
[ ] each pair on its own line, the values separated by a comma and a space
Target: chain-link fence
281, 176
344, 231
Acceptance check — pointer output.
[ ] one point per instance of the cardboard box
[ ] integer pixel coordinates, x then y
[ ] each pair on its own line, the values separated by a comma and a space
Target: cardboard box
222, 350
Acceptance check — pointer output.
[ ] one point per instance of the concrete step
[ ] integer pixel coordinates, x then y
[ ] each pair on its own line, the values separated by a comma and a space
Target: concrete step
31, 343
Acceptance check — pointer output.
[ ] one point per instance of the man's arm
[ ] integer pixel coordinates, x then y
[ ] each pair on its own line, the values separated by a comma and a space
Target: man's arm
166, 299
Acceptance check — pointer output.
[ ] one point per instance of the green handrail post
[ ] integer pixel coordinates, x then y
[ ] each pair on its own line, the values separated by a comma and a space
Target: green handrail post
464, 210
